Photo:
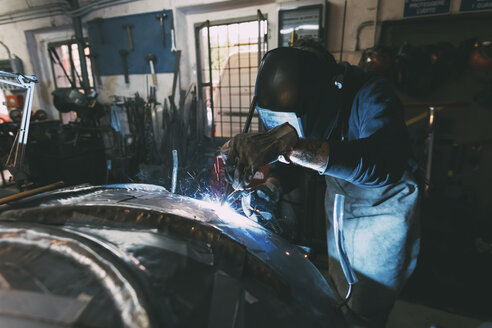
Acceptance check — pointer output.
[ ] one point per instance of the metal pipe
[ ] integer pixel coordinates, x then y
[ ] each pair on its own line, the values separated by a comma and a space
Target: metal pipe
359, 29
35, 9
376, 22
48, 14
343, 30
32, 12
7, 49
95, 6
60, 8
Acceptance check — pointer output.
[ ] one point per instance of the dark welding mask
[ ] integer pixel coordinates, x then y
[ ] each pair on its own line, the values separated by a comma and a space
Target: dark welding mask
292, 84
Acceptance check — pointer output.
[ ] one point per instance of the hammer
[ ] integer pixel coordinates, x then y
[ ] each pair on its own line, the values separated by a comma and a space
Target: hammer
128, 28
124, 54
161, 17
151, 58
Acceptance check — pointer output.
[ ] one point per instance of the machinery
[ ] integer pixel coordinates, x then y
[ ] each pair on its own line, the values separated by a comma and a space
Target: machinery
138, 256
16, 156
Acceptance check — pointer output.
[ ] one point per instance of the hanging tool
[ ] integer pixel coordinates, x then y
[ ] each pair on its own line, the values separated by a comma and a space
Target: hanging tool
124, 54
99, 22
177, 61
161, 17
128, 28
151, 58
173, 39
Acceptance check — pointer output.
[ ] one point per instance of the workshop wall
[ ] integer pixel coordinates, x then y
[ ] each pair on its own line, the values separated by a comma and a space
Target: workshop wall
114, 84
359, 24
359, 34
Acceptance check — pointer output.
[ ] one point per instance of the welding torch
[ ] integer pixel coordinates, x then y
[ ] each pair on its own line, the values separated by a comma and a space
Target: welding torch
247, 124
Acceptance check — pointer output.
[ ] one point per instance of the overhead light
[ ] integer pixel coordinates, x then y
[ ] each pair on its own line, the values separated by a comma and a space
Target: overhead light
310, 27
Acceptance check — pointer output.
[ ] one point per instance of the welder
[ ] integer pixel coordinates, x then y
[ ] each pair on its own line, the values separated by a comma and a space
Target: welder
347, 125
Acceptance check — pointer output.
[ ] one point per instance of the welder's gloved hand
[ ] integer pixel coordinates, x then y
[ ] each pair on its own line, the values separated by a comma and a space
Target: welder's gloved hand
246, 153
260, 204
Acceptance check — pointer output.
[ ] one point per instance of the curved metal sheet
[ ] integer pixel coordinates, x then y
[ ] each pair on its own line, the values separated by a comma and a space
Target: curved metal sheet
132, 218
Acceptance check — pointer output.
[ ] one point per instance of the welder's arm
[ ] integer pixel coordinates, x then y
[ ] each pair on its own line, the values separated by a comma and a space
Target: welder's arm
246, 153
309, 153
374, 161
380, 153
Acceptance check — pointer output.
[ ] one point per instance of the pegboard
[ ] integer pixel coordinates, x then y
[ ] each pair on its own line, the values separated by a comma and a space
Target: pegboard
146, 34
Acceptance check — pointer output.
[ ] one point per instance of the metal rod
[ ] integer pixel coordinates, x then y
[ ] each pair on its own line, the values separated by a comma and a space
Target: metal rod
210, 79
430, 147
31, 192
259, 35
239, 73
175, 171
230, 83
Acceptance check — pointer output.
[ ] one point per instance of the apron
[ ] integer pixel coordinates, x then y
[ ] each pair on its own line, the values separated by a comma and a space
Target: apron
381, 239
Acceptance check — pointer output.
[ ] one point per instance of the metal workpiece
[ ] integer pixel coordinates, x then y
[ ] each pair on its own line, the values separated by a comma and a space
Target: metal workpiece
35, 242
191, 262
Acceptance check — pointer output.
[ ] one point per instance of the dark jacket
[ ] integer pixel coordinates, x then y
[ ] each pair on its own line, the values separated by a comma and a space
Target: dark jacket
369, 145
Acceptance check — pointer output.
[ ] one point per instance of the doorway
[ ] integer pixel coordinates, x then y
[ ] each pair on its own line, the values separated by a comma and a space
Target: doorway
228, 55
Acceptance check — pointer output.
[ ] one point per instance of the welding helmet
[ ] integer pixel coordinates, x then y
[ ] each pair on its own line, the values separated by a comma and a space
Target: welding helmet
295, 85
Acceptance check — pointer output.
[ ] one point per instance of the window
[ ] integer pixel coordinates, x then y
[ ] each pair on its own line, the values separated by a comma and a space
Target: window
66, 65
305, 22
228, 64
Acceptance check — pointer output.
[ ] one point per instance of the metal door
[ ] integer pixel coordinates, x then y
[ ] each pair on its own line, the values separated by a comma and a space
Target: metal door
228, 55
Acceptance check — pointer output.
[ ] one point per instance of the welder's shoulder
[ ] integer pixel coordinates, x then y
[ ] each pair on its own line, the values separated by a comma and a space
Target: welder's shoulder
376, 106
377, 96
378, 90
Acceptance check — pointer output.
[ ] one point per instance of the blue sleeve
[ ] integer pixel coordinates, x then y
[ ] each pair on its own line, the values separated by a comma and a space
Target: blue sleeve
379, 154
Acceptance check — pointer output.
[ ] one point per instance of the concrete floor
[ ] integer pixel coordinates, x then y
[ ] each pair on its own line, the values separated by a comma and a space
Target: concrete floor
410, 315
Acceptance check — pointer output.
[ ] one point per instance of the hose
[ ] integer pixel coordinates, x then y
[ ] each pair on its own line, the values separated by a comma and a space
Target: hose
340, 242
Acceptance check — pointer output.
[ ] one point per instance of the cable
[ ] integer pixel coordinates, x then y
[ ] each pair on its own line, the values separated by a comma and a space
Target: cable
347, 297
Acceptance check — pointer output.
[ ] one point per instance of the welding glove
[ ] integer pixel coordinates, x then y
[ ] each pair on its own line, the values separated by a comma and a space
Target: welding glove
246, 153
260, 204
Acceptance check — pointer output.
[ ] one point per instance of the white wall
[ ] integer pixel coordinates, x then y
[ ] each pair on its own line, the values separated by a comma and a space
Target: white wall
14, 36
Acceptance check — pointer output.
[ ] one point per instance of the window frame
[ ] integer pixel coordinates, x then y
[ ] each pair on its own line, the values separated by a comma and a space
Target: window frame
72, 73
